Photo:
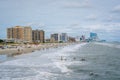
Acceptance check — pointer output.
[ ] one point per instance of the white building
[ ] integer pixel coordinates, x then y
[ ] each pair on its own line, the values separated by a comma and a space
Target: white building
63, 37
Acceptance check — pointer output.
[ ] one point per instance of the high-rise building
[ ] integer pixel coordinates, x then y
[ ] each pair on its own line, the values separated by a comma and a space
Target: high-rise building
19, 33
16, 33
10, 33
38, 36
63, 37
93, 36
55, 37
28, 34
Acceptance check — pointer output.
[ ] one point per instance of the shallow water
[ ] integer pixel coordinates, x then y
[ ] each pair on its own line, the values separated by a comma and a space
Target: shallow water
87, 61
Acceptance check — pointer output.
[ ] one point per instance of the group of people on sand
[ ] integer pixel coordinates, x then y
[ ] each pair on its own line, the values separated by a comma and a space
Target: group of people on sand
20, 49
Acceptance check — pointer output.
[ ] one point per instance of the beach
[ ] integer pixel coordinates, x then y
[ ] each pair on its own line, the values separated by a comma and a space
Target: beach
23, 49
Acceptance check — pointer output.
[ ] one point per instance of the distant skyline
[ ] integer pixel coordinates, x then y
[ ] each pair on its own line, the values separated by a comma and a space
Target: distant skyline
75, 17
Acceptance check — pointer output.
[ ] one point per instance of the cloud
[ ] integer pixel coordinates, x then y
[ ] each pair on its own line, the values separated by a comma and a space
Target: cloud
113, 18
74, 25
84, 4
116, 8
107, 27
85, 27
57, 29
36, 25
91, 17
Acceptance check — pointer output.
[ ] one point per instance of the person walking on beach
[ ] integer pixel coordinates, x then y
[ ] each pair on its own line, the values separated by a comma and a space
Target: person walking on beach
18, 50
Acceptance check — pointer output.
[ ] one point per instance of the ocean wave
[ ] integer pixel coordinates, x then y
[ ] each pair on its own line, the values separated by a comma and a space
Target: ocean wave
109, 45
42, 64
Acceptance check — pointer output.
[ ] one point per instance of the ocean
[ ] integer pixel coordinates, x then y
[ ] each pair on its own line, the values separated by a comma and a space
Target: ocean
85, 61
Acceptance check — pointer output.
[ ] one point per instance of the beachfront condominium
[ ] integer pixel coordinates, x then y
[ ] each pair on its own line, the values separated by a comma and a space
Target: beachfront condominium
28, 34
16, 33
38, 36
20, 34
55, 37
63, 37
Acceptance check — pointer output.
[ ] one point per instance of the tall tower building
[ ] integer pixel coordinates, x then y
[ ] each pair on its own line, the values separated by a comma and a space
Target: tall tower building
16, 33
28, 34
38, 36
19, 33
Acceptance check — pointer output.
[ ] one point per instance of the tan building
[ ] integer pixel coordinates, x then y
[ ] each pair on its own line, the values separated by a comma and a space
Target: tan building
38, 36
28, 34
71, 39
19, 33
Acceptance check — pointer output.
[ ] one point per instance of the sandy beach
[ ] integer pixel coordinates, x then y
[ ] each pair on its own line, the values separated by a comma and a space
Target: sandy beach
30, 48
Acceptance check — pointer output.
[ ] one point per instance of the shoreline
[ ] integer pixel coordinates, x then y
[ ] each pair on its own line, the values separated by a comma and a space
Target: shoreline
24, 49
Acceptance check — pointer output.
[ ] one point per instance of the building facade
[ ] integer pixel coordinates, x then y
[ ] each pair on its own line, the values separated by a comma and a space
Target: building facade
55, 37
71, 39
19, 34
38, 36
93, 36
28, 34
63, 37
9, 33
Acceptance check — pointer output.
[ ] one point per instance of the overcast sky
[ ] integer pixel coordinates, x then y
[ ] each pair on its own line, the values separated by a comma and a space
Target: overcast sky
75, 17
